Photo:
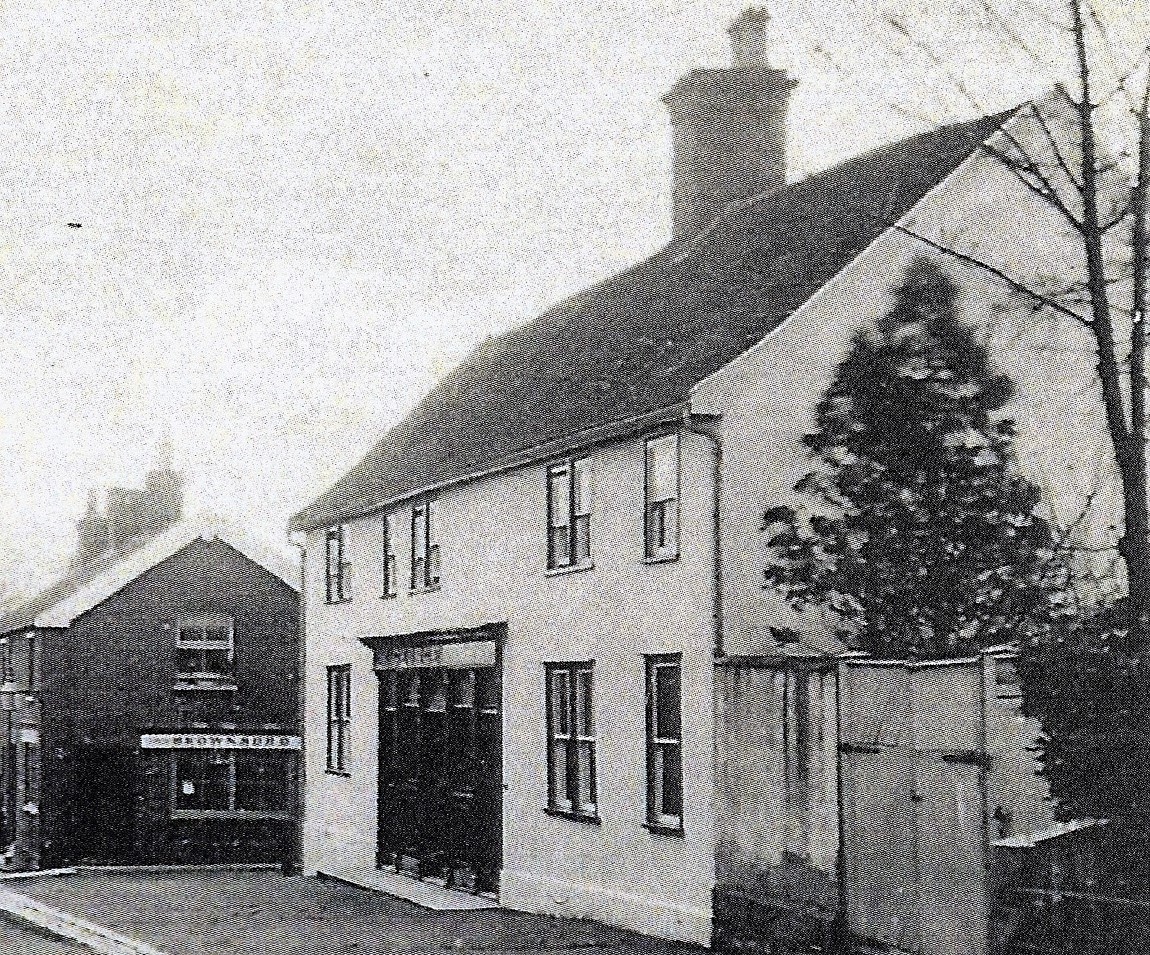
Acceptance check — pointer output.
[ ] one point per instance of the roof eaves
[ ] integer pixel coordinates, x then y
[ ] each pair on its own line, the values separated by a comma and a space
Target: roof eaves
302, 522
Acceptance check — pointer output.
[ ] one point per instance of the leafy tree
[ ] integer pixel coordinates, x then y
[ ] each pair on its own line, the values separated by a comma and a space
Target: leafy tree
1092, 697
924, 540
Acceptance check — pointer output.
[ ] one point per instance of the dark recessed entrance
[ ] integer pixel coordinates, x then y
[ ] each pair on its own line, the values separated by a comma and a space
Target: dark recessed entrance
440, 765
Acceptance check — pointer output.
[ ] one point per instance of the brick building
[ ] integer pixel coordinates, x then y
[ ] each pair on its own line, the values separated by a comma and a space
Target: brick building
150, 695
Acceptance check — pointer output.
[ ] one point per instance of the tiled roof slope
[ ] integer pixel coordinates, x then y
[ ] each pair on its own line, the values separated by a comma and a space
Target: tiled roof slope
639, 341
21, 611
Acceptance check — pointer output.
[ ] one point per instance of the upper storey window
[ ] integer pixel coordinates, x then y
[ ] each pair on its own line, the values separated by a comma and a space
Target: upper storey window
390, 571
661, 518
424, 546
205, 646
569, 514
337, 577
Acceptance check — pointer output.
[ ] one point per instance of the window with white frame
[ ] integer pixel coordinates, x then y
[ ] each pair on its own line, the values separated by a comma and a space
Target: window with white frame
569, 514
337, 570
390, 571
424, 546
205, 646
661, 517
338, 717
664, 743
571, 739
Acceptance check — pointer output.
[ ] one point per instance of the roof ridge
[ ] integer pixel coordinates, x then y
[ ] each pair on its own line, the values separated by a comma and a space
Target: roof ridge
644, 336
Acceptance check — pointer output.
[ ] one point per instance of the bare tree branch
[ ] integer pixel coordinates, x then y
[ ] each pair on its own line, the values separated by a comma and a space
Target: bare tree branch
1018, 286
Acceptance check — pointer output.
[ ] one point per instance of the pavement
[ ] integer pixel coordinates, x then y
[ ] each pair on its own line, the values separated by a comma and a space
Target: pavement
19, 938
266, 913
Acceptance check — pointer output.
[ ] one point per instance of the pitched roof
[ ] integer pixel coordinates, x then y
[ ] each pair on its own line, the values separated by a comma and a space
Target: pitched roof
65, 598
639, 341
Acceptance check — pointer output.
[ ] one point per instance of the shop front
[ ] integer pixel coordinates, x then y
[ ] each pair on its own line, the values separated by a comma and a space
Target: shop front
440, 765
208, 797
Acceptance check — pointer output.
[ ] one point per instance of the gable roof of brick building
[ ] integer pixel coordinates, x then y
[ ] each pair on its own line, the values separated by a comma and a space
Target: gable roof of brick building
635, 344
59, 600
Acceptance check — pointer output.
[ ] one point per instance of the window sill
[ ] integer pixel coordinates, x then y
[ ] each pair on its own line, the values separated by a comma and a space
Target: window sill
572, 569
661, 830
434, 588
574, 816
389, 596
338, 772
229, 814
341, 600
212, 686
664, 559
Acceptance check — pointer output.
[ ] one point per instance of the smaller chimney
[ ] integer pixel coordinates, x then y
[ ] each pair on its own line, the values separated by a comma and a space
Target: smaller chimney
749, 40
93, 536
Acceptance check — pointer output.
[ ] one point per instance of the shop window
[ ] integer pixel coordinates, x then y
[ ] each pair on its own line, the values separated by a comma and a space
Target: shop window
424, 547
664, 744
661, 512
211, 782
571, 739
569, 514
204, 646
338, 717
337, 571
390, 571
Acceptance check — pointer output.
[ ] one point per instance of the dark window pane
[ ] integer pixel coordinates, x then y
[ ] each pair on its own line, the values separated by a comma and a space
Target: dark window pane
667, 702
581, 538
672, 773
261, 782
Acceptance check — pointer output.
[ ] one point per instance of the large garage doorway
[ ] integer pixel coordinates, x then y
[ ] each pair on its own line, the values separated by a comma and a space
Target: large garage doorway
440, 768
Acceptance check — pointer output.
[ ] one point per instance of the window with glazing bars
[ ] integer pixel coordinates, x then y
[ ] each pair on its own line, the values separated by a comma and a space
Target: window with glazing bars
571, 739
661, 518
205, 646
337, 575
338, 716
664, 743
424, 547
390, 571
569, 514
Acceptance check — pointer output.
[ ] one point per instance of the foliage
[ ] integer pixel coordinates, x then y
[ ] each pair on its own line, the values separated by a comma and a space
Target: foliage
924, 540
1093, 700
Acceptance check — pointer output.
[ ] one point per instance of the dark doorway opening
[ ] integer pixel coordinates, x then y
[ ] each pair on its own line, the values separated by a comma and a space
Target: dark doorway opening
102, 809
440, 775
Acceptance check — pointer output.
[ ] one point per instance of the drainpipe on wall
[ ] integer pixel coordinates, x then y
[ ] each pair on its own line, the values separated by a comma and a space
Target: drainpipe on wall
708, 426
293, 864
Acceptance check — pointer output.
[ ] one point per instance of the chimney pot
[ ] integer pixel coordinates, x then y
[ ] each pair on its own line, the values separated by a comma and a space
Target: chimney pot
749, 39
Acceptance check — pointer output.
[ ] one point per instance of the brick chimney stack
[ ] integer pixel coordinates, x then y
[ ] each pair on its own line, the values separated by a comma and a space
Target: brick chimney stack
729, 129
130, 514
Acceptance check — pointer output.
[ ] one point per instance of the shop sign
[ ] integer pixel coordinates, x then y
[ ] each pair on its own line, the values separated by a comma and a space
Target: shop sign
217, 741
479, 653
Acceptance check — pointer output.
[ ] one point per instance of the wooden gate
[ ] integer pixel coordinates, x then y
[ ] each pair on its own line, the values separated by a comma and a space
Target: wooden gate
913, 775
440, 765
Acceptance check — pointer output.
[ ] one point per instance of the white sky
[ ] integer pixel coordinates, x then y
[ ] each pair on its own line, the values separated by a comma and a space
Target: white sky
297, 215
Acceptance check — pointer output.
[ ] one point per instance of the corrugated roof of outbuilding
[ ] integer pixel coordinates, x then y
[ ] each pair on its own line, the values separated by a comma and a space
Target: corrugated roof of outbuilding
639, 341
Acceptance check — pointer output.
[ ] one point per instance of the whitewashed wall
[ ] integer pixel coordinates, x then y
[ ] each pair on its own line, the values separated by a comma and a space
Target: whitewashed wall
493, 544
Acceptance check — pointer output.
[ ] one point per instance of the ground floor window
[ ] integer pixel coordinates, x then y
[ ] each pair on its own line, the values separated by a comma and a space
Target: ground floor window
209, 782
571, 739
338, 716
664, 743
